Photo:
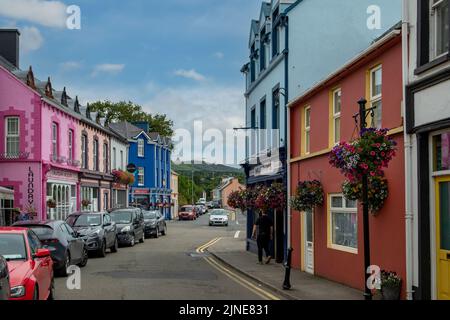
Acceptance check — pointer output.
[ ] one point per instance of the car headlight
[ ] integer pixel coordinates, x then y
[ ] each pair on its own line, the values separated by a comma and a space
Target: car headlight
95, 233
126, 229
17, 292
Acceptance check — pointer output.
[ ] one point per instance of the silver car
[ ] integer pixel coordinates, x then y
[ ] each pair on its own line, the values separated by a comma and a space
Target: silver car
218, 217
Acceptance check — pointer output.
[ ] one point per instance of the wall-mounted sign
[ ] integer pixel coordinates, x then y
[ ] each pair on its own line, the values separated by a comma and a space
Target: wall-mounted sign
54, 173
131, 168
141, 191
30, 189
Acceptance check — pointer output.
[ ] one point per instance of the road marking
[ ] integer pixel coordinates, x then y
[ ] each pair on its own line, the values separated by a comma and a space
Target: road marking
234, 276
236, 235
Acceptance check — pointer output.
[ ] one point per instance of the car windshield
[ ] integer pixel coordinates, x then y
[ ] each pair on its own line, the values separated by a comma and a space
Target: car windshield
219, 213
85, 220
149, 215
12, 247
186, 209
121, 217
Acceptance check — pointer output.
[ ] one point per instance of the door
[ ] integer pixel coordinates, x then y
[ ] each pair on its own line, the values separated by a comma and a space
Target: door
41, 267
76, 244
309, 241
443, 237
109, 229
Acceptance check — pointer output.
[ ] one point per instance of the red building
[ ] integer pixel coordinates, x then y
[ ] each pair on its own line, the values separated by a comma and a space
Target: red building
329, 241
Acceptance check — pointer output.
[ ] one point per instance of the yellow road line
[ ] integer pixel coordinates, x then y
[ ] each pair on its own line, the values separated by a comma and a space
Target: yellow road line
232, 275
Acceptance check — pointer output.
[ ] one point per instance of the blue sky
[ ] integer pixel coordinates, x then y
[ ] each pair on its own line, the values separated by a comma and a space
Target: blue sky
180, 57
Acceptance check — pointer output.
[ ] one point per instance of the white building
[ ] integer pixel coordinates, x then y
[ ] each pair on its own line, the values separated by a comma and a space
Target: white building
427, 147
119, 161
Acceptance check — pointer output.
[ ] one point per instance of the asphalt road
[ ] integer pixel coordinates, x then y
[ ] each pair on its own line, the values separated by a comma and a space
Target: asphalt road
167, 268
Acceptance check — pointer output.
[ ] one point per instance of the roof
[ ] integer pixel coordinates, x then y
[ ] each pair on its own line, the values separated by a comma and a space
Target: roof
125, 129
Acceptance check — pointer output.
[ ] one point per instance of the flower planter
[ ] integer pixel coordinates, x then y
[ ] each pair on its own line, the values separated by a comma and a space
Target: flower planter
391, 293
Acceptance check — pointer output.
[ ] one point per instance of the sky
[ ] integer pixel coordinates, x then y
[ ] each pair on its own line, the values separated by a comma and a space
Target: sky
178, 57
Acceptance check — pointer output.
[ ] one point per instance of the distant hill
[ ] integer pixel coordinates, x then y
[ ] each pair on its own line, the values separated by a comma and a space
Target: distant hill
206, 178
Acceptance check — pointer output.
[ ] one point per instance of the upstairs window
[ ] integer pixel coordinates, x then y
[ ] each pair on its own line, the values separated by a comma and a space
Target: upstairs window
84, 158
307, 131
12, 137
262, 51
276, 110
54, 141
122, 167
95, 154
439, 27
105, 158
336, 116
141, 148
275, 35
70, 144
376, 81
141, 175
114, 159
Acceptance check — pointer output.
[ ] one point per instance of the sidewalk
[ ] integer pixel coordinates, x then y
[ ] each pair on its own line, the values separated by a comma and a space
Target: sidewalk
304, 286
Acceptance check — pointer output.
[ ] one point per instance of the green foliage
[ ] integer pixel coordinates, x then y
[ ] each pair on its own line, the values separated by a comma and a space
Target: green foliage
131, 112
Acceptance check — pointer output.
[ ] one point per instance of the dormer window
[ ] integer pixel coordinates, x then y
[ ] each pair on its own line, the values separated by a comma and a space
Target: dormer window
141, 149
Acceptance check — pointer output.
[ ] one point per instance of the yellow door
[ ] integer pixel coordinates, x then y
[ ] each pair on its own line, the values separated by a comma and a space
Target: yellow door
443, 237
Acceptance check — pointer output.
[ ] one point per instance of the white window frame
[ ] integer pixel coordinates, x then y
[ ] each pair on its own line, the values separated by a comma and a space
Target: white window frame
307, 129
434, 28
105, 157
141, 176
376, 98
114, 155
336, 115
84, 144
141, 148
335, 210
9, 135
121, 160
55, 140
70, 146
95, 154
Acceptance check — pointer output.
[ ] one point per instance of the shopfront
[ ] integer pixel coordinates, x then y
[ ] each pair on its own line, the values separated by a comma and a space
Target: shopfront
6, 206
119, 195
61, 193
140, 197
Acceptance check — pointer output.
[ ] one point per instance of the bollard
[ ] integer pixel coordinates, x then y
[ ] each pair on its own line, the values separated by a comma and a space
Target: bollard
287, 266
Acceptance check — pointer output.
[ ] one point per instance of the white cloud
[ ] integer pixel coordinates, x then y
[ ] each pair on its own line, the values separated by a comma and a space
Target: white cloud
219, 55
31, 39
190, 74
46, 13
109, 68
70, 65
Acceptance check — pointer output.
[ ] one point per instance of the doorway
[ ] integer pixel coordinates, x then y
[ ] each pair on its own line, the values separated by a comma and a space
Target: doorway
443, 237
308, 223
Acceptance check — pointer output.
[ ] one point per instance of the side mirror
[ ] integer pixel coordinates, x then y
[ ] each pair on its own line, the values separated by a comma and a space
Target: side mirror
42, 253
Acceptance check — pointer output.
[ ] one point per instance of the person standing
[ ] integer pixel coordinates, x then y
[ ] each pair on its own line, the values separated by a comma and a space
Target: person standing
263, 231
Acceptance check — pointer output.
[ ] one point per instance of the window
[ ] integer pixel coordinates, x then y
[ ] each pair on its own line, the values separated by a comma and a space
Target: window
252, 63
343, 224
122, 167
307, 126
70, 144
141, 176
54, 141
439, 26
275, 35
336, 116
441, 152
253, 131
262, 124
276, 109
114, 164
12, 137
140, 147
105, 157
262, 51
95, 154
376, 80
84, 159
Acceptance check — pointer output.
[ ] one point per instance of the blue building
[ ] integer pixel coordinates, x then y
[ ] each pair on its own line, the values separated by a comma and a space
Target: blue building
150, 153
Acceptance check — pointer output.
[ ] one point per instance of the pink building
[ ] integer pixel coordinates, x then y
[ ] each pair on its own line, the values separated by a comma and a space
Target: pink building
38, 145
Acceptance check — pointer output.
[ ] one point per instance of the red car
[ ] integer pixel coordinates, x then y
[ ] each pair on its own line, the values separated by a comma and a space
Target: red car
187, 213
30, 265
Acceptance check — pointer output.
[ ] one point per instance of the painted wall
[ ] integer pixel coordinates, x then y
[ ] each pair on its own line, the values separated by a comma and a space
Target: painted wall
233, 186
387, 230
147, 162
92, 133
119, 146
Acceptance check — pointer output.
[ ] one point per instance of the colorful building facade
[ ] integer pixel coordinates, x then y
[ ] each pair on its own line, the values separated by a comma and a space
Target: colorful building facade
328, 241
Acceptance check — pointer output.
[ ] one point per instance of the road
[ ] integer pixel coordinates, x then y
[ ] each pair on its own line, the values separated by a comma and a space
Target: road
172, 267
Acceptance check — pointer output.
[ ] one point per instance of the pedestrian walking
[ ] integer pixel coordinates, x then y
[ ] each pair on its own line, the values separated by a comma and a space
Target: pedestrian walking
263, 231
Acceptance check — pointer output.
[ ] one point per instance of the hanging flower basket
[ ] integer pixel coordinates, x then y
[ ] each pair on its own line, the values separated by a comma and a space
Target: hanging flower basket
378, 192
123, 177
51, 204
85, 203
367, 155
237, 199
272, 197
308, 195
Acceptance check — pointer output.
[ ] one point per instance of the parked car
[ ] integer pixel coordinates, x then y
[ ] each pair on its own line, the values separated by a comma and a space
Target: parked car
218, 217
155, 224
202, 208
130, 225
216, 204
187, 213
97, 229
209, 205
4, 280
30, 264
67, 247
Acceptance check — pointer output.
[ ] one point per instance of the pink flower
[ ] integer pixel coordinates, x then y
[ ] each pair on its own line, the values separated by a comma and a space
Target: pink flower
372, 153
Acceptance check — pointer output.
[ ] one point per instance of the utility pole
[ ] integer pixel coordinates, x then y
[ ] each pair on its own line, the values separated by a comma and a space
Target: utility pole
192, 185
363, 113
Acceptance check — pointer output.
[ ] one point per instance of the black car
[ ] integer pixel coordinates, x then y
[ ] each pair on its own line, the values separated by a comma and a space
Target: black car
4, 280
97, 229
130, 225
66, 246
155, 224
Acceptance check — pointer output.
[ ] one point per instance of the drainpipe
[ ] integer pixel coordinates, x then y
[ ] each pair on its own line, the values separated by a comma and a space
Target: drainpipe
409, 217
287, 131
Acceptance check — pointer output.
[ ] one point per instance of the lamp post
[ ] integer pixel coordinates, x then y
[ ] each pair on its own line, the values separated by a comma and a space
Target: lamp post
363, 113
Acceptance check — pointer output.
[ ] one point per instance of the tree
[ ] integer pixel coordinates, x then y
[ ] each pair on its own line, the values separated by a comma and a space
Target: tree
131, 112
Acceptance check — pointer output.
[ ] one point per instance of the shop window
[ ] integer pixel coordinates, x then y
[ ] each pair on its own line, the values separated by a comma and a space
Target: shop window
441, 151
343, 224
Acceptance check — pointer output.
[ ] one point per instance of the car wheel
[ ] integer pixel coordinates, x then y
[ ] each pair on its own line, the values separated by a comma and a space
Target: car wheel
164, 232
36, 293
157, 233
51, 295
63, 270
85, 258
115, 247
132, 241
142, 240
102, 251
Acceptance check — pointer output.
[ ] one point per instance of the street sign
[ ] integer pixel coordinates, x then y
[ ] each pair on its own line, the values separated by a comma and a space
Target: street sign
131, 168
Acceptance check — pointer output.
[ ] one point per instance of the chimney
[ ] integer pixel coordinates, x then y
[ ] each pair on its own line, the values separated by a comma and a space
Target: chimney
144, 125
9, 45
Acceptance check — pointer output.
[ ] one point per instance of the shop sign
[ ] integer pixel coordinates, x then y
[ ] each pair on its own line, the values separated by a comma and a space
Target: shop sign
141, 191
119, 186
57, 174
131, 168
30, 189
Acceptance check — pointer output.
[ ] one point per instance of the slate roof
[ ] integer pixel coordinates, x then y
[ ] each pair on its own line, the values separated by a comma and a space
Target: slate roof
125, 129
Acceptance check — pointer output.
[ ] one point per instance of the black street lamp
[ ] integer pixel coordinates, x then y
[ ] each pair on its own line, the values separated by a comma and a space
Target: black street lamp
363, 114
